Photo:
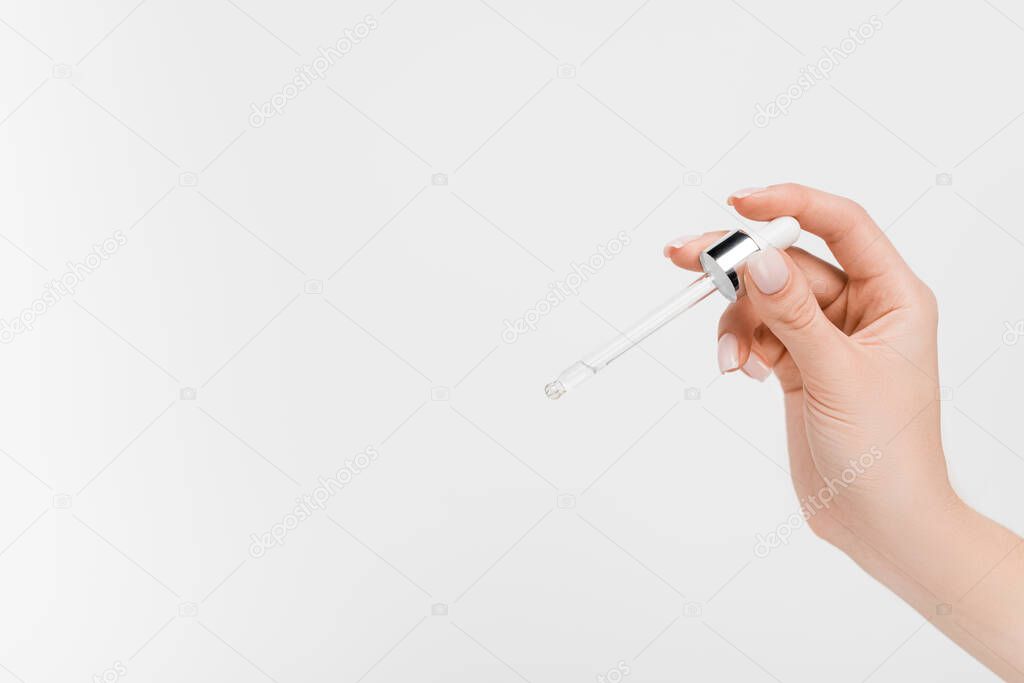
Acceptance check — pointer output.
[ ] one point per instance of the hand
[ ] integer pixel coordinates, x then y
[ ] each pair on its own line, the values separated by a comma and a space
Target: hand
855, 353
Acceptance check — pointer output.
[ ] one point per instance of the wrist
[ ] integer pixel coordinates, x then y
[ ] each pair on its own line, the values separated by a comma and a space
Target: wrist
943, 546
963, 573
921, 523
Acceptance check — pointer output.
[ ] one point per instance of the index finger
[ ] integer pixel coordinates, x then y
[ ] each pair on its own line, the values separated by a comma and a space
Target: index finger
857, 242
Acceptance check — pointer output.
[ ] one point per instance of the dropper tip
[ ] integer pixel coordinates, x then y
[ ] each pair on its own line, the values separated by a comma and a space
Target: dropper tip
554, 390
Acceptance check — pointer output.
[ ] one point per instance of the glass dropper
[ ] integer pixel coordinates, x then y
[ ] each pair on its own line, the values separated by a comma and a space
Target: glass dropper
720, 262
594, 362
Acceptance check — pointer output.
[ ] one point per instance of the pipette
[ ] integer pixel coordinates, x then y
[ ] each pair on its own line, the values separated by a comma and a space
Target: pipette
722, 263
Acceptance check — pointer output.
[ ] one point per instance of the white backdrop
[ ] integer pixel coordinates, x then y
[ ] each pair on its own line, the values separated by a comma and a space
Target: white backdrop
258, 284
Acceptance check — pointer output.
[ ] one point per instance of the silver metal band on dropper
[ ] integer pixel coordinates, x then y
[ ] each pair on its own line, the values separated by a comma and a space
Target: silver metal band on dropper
723, 258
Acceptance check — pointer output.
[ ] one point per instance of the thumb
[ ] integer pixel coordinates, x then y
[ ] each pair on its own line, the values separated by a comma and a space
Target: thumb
780, 294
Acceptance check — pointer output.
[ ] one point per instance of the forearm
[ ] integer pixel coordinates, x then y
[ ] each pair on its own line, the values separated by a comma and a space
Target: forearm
961, 571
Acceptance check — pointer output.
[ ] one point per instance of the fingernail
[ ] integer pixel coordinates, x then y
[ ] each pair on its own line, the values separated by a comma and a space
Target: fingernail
728, 352
745, 192
768, 270
756, 368
677, 243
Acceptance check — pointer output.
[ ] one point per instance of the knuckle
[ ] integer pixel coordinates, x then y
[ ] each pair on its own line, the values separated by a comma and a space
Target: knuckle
928, 294
926, 301
856, 208
801, 313
800, 195
857, 213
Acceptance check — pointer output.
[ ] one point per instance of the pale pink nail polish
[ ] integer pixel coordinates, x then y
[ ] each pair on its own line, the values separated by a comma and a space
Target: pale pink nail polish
728, 352
756, 368
677, 243
744, 193
768, 270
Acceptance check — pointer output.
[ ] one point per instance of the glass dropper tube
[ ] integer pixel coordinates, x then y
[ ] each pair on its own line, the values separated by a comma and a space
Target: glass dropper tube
594, 362
720, 263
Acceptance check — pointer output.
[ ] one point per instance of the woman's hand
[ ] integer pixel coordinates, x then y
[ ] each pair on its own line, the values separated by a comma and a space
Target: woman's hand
855, 353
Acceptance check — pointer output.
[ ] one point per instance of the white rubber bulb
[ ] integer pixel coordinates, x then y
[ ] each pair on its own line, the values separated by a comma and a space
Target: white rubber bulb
781, 233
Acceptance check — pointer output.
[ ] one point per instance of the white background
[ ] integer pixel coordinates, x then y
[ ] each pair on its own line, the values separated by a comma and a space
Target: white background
126, 512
